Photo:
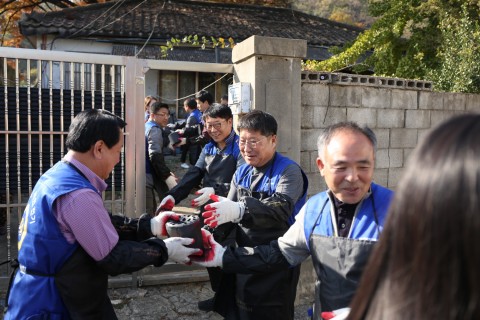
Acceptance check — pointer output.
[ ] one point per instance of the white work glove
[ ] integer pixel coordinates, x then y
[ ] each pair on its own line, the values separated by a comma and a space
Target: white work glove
204, 196
339, 314
222, 211
177, 250
171, 182
157, 224
212, 253
167, 204
180, 131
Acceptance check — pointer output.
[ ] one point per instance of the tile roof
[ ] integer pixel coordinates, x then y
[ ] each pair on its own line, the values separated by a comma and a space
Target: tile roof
133, 21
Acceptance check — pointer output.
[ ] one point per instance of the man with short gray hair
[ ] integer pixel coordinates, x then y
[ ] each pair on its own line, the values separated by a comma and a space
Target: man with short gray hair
337, 227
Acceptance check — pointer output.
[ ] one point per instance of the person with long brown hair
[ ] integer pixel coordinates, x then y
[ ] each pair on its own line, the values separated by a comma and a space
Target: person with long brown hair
426, 264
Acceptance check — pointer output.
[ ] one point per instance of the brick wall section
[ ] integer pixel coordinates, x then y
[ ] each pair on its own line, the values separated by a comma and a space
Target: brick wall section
399, 111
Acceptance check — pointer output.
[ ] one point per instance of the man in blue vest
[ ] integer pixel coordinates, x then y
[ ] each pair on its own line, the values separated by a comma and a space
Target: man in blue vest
337, 227
159, 177
265, 195
214, 168
68, 243
191, 129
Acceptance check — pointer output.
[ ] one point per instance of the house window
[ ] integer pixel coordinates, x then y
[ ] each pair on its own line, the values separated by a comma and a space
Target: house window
205, 80
168, 91
174, 86
186, 88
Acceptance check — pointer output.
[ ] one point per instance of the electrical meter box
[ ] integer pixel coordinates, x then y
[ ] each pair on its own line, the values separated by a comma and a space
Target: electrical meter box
239, 97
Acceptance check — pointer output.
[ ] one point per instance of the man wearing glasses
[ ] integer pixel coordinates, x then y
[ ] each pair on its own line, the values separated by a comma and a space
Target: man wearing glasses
216, 165
265, 195
158, 175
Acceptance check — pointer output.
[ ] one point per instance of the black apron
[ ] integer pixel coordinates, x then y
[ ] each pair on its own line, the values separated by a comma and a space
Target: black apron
259, 296
339, 263
83, 286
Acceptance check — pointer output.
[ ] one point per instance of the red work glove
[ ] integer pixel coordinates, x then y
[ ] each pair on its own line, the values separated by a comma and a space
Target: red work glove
158, 223
222, 211
178, 250
339, 314
204, 196
212, 253
167, 204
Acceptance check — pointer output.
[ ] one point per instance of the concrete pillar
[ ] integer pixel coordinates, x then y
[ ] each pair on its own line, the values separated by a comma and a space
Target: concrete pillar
273, 68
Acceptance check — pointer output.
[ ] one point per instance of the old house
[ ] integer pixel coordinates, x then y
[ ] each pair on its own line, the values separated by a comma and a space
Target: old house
140, 28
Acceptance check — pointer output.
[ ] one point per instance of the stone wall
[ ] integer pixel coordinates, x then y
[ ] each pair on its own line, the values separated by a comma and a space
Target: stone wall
399, 111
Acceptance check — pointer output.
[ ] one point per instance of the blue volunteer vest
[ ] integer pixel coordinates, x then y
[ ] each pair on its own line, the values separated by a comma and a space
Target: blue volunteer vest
148, 126
270, 179
42, 248
231, 149
318, 218
220, 167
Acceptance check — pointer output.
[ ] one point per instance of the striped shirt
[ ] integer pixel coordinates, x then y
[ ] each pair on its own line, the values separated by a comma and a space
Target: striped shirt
82, 216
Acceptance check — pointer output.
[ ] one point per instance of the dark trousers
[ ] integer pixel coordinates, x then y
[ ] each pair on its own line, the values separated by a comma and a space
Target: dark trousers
193, 151
183, 156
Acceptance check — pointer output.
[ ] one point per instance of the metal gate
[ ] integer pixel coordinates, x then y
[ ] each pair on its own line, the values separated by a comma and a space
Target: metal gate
40, 93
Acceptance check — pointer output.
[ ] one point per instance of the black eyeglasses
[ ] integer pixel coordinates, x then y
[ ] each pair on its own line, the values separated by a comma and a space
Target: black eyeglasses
252, 144
216, 125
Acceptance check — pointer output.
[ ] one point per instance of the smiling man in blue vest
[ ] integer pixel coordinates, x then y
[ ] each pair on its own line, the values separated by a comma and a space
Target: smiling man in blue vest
68, 243
337, 227
159, 178
265, 195
215, 167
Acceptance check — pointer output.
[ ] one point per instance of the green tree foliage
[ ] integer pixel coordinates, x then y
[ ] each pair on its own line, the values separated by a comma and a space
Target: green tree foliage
194, 40
435, 40
459, 53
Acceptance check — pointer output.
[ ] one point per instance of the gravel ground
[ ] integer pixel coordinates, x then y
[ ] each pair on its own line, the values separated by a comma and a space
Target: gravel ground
170, 302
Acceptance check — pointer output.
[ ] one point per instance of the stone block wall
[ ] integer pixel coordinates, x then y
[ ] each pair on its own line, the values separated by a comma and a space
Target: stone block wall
399, 111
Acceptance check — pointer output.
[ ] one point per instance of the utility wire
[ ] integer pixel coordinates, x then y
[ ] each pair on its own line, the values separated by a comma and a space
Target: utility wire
115, 7
120, 18
193, 94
